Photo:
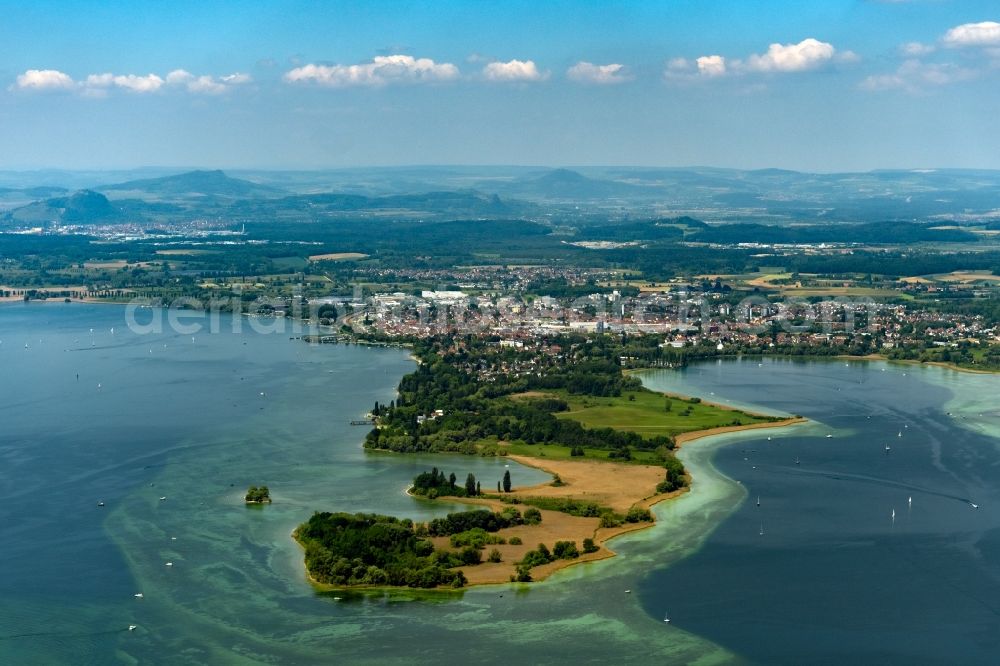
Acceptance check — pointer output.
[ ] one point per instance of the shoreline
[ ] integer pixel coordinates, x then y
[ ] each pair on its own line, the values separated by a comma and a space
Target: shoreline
601, 482
694, 435
822, 357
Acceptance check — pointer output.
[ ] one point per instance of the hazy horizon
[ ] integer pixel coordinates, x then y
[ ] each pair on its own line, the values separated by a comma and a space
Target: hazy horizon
182, 168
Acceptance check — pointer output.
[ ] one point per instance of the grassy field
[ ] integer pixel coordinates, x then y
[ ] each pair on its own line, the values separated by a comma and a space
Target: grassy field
560, 452
338, 256
645, 412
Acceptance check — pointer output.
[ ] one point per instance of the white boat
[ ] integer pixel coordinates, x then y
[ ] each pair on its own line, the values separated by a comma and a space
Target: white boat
909, 502
829, 436
132, 627
666, 618
973, 505
163, 499
138, 595
893, 515
796, 460
762, 529
758, 500
170, 564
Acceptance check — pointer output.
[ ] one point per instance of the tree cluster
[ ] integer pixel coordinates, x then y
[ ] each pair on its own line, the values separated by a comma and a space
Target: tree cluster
257, 495
370, 549
434, 484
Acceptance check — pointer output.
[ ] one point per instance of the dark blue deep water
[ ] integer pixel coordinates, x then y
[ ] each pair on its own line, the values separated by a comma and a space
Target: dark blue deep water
834, 577
126, 418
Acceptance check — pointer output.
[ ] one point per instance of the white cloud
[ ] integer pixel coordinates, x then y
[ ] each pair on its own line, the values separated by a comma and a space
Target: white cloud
382, 70
985, 33
705, 67
45, 79
808, 54
514, 70
914, 76
206, 84
711, 65
236, 79
139, 84
916, 49
587, 72
99, 85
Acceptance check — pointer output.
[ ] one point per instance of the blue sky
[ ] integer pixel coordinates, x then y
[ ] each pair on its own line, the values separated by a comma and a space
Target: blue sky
825, 85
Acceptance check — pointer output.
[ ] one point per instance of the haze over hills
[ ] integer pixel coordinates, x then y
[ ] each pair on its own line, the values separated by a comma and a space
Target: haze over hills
192, 184
212, 194
81, 207
568, 186
769, 196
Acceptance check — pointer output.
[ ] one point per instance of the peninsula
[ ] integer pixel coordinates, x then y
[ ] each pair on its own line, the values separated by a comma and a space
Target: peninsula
565, 407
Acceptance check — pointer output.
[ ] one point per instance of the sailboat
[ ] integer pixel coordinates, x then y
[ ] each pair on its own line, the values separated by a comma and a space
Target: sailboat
900, 434
887, 448
666, 618
758, 500
796, 460
762, 529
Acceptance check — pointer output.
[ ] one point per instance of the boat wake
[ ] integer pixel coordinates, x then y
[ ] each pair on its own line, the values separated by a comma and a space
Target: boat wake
874, 480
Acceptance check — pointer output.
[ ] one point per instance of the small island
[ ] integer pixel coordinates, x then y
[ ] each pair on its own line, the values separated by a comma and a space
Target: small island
257, 495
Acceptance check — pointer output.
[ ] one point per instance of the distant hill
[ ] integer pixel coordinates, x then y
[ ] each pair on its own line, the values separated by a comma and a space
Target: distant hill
16, 197
465, 204
568, 185
83, 207
192, 184
40, 192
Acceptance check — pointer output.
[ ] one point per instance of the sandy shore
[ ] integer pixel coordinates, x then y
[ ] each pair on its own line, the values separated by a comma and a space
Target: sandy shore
686, 437
617, 485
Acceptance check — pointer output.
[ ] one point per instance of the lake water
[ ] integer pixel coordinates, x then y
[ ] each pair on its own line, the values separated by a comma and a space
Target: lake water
866, 556
126, 419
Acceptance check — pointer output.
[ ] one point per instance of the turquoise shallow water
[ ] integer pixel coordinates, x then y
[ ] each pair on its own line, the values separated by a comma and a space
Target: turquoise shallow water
832, 579
162, 415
